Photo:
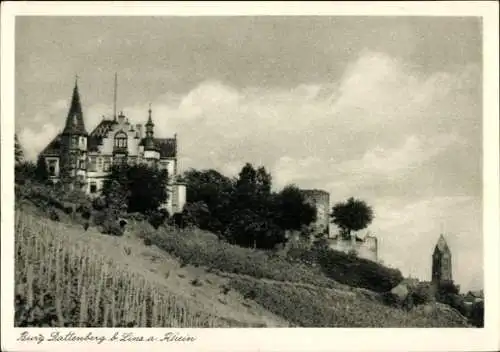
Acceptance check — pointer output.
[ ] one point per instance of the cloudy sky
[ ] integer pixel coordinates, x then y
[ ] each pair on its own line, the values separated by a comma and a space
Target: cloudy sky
383, 109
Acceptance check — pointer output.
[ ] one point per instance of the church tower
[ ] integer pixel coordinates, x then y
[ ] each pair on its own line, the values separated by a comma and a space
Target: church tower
441, 262
74, 146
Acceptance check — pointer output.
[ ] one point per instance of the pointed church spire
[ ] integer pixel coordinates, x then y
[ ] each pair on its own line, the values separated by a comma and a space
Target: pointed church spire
74, 120
441, 245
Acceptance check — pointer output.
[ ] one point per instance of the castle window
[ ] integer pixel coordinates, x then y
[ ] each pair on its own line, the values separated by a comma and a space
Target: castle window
99, 164
93, 187
106, 164
52, 165
121, 140
81, 164
92, 163
74, 141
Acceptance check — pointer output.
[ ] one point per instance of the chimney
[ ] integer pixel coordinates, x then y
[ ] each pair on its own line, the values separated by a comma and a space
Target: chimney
138, 128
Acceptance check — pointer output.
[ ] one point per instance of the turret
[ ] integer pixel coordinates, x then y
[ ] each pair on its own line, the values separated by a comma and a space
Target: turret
74, 144
149, 144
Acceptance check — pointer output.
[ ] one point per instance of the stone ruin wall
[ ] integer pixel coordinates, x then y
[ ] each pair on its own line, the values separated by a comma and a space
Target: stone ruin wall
367, 249
321, 201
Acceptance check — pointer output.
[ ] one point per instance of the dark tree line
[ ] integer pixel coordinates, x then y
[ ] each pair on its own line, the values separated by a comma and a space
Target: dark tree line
245, 210
26, 170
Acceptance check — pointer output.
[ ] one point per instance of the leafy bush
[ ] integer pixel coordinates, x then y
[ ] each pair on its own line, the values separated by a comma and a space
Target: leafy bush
357, 272
107, 222
200, 248
422, 293
24, 172
157, 218
85, 211
113, 228
310, 306
446, 288
136, 216
476, 317
99, 203
53, 215
347, 268
99, 217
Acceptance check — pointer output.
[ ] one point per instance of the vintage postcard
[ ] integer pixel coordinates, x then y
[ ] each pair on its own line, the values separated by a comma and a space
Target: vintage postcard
250, 176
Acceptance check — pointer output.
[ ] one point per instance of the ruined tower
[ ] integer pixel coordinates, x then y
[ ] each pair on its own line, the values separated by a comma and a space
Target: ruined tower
321, 201
73, 151
441, 262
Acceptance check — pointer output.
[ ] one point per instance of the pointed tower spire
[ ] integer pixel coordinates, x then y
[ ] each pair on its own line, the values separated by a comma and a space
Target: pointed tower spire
74, 120
150, 120
149, 124
149, 141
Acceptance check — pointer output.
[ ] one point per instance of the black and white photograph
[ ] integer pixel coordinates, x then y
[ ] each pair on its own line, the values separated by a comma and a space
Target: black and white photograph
248, 171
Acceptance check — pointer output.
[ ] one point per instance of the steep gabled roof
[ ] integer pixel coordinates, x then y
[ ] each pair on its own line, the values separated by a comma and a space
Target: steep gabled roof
97, 135
74, 120
166, 146
53, 148
441, 246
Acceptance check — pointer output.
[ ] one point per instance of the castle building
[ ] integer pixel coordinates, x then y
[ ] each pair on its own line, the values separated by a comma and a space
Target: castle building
365, 247
81, 160
321, 201
441, 262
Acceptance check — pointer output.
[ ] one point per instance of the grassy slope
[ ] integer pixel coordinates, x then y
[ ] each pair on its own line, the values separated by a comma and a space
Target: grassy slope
186, 304
213, 283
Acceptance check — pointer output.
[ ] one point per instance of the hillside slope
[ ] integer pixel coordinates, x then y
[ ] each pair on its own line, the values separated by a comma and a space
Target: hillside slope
43, 245
60, 269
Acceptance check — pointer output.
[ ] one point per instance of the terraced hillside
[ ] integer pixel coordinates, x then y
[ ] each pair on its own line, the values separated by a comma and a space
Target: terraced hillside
66, 276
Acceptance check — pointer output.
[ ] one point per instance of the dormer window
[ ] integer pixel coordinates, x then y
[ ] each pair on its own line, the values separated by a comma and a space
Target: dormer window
121, 140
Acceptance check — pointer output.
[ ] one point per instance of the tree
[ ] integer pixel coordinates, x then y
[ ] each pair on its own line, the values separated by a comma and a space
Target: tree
252, 189
147, 187
246, 188
251, 229
116, 195
24, 171
292, 210
263, 182
41, 173
139, 188
19, 155
215, 191
353, 215
197, 214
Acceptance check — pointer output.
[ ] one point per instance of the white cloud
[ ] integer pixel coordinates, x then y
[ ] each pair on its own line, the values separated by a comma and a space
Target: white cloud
33, 141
